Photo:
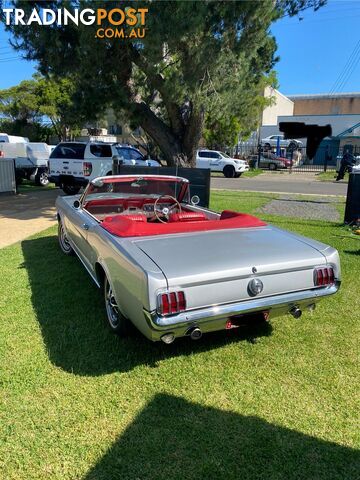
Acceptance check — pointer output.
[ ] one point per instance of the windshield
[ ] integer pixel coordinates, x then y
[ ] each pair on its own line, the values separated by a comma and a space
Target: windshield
135, 187
225, 155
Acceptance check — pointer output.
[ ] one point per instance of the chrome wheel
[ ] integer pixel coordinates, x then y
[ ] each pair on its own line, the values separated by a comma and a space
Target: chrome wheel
63, 241
117, 322
112, 309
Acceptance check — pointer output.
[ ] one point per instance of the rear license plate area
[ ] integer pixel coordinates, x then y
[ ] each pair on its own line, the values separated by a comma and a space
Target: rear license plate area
247, 319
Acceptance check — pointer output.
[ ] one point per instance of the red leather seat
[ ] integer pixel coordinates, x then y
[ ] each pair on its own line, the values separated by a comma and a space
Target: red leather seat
187, 217
135, 218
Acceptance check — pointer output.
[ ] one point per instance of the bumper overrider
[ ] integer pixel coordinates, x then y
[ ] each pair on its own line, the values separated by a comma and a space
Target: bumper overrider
214, 317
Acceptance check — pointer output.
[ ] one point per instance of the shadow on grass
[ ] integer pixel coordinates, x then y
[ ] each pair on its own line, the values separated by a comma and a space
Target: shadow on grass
70, 311
174, 439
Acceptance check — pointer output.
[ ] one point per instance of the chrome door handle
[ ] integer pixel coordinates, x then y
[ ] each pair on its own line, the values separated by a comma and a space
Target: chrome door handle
85, 226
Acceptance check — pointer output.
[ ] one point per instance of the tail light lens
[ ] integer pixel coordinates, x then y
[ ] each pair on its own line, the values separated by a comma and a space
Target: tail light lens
87, 169
324, 276
2, 154
171, 303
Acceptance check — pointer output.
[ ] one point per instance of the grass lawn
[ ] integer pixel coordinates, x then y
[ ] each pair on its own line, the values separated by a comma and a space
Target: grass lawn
330, 177
27, 186
78, 403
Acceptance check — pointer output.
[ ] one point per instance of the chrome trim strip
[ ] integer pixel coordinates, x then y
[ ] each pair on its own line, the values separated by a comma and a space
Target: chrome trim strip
220, 311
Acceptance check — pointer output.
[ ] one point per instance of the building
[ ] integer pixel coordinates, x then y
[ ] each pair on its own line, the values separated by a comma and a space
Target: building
340, 110
326, 104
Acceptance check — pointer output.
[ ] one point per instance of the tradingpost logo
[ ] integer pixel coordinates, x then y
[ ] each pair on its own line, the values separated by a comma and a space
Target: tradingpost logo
126, 22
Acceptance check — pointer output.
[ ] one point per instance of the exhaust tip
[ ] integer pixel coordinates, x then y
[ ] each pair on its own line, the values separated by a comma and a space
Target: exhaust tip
195, 333
296, 312
168, 338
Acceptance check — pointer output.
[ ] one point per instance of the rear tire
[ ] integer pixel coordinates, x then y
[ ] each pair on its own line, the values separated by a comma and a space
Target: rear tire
229, 171
238, 174
272, 166
117, 323
42, 179
70, 189
65, 246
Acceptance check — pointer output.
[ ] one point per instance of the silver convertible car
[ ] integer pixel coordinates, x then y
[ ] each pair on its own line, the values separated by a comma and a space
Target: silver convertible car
174, 269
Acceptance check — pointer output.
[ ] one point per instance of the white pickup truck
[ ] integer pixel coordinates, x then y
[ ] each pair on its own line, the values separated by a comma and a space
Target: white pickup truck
31, 158
73, 164
221, 162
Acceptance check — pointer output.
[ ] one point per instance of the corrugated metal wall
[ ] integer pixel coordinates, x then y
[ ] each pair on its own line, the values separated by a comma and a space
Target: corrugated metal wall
7, 176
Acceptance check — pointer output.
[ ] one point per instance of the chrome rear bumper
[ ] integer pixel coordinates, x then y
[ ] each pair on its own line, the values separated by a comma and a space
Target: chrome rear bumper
212, 318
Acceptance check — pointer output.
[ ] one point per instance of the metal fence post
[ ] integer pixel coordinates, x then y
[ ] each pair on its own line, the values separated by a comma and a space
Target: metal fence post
258, 156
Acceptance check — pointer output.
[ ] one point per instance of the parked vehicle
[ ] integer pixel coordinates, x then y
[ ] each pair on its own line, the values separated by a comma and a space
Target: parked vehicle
31, 160
272, 162
272, 141
74, 164
5, 138
221, 162
174, 269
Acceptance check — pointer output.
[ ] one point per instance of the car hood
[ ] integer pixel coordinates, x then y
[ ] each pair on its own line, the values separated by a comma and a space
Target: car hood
227, 254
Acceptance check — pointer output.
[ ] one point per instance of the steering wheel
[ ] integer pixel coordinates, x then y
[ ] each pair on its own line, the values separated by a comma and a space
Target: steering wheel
166, 210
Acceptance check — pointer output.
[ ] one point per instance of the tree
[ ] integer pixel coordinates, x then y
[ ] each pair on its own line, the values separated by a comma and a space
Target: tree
29, 106
195, 54
20, 103
56, 104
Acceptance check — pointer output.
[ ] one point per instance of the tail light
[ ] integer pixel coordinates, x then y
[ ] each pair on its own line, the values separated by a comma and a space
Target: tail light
170, 303
324, 276
87, 169
2, 154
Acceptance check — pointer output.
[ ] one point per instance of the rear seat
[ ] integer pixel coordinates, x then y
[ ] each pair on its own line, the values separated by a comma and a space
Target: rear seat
187, 217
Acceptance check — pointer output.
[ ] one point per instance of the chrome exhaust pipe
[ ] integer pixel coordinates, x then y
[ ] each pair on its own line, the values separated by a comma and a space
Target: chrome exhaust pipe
195, 333
296, 312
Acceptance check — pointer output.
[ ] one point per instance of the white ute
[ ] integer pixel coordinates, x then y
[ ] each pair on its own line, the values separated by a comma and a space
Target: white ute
73, 164
221, 162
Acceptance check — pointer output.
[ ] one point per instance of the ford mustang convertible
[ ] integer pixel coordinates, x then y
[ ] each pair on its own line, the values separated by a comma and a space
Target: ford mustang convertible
174, 269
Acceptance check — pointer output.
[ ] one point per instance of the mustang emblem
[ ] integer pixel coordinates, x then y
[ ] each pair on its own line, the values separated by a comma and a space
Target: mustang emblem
255, 286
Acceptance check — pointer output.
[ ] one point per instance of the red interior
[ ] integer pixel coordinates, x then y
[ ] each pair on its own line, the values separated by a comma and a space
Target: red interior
137, 226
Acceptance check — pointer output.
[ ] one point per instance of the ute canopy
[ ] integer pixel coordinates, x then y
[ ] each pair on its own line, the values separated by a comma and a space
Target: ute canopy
137, 186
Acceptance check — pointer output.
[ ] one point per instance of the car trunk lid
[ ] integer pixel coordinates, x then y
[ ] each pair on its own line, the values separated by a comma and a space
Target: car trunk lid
215, 267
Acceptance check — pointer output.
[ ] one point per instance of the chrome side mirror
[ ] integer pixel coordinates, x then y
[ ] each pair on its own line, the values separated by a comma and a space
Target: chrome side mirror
195, 200
76, 204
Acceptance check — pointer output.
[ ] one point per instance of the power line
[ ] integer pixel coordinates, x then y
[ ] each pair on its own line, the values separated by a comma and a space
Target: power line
11, 59
347, 69
355, 64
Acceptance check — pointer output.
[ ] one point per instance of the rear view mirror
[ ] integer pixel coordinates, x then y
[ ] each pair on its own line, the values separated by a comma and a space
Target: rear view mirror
195, 200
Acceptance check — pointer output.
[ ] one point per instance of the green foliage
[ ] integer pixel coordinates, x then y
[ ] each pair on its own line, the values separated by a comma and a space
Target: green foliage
196, 57
34, 131
42, 106
221, 132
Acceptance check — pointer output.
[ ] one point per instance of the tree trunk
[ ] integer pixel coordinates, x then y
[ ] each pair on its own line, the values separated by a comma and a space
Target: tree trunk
179, 148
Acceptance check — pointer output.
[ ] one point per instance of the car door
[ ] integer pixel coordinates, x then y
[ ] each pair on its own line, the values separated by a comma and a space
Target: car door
216, 162
79, 224
137, 157
203, 161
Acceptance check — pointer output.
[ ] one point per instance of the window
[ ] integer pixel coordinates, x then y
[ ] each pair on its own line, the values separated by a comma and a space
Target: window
135, 154
115, 130
101, 150
69, 150
209, 155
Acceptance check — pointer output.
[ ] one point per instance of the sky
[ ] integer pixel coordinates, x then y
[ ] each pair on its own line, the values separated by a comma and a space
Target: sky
318, 54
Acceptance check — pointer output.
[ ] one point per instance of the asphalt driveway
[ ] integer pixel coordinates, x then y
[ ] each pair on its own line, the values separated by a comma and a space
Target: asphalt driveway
26, 214
300, 183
